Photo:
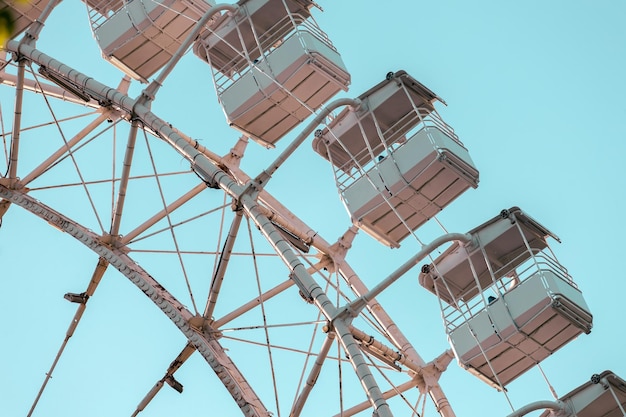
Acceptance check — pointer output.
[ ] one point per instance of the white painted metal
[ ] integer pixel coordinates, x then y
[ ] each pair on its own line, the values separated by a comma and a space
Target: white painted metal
390, 110
272, 67
140, 36
73, 141
17, 121
506, 302
396, 335
182, 357
360, 303
501, 247
556, 408
276, 94
105, 7
312, 378
410, 186
521, 328
207, 346
101, 267
48, 89
233, 42
396, 162
604, 395
113, 249
550, 291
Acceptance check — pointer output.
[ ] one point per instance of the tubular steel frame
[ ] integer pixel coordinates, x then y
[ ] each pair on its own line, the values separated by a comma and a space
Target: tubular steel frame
265, 212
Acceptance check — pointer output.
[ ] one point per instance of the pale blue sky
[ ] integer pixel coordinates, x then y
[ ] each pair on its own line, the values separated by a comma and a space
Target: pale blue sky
535, 90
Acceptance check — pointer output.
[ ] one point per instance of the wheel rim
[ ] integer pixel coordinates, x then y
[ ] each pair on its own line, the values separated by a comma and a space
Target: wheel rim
92, 201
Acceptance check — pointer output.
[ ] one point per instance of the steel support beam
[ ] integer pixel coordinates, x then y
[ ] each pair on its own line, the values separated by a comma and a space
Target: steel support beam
207, 346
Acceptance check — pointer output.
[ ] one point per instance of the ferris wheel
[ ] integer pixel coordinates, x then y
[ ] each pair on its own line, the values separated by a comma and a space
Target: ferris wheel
265, 314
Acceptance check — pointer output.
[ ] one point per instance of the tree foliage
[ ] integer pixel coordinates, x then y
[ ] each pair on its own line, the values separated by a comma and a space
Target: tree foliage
7, 23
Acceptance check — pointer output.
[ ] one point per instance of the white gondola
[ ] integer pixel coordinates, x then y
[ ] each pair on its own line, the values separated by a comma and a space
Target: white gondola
604, 395
397, 164
503, 247
507, 303
272, 66
23, 13
232, 43
140, 36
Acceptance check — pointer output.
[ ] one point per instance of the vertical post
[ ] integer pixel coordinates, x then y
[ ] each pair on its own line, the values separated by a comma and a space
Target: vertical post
121, 195
218, 278
17, 120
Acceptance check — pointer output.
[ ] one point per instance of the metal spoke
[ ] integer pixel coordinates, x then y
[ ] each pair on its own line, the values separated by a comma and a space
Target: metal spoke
270, 326
121, 194
53, 122
71, 154
128, 237
171, 228
4, 141
218, 277
310, 382
45, 165
313, 374
266, 296
386, 395
279, 347
167, 378
264, 315
17, 121
95, 182
164, 214
207, 346
81, 299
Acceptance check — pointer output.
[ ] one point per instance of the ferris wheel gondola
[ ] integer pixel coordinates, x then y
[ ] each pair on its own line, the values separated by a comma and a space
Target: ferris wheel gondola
277, 312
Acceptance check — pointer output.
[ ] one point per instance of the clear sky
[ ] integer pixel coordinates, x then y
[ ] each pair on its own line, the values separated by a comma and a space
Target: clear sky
535, 90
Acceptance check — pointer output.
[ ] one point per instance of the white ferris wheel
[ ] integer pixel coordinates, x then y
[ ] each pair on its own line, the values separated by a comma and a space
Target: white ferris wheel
245, 232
